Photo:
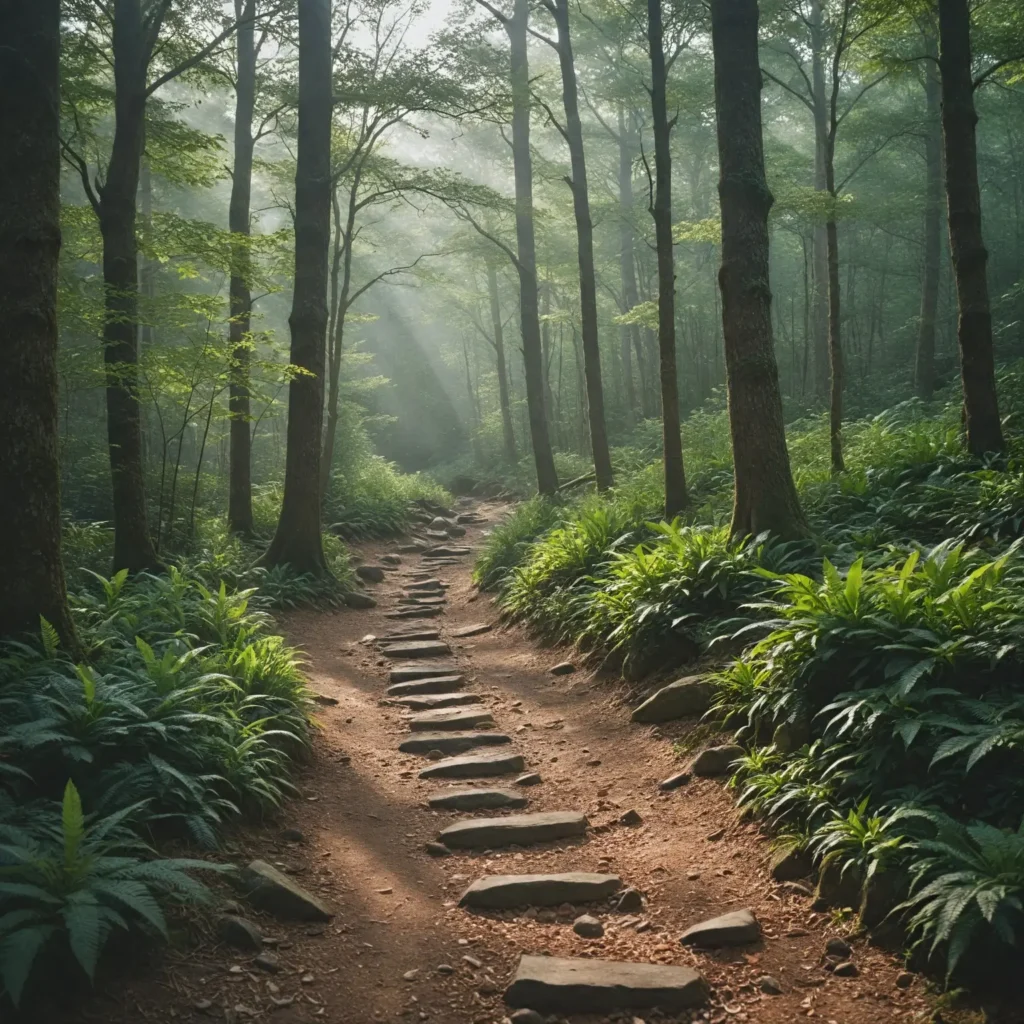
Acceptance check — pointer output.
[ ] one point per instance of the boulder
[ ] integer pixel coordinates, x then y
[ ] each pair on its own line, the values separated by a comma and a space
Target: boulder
275, 893
685, 698
716, 760
738, 928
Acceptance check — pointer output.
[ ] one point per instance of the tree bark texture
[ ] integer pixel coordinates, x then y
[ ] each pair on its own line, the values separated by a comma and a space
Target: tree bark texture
584, 249
507, 431
966, 243
675, 478
819, 316
30, 559
627, 270
297, 541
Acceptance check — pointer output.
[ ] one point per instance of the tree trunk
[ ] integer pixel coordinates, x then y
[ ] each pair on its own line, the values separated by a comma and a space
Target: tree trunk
924, 370
835, 350
627, 269
584, 249
819, 316
30, 561
675, 478
533, 365
765, 497
297, 541
240, 452
133, 545
507, 431
967, 246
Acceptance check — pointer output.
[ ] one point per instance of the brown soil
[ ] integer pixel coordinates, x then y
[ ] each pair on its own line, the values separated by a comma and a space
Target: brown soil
400, 951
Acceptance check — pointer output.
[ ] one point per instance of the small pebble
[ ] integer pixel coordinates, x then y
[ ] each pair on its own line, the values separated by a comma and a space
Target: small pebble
588, 927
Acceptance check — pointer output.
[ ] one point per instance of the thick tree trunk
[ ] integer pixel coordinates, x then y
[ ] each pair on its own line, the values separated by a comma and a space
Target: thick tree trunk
297, 541
30, 562
966, 243
507, 432
240, 450
675, 478
627, 269
765, 497
819, 315
924, 369
517, 29
584, 250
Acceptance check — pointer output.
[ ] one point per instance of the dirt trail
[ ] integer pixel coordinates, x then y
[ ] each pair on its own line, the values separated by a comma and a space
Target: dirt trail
401, 950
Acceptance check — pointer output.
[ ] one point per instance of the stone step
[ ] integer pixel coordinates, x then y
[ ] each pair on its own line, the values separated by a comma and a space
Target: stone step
443, 551
551, 984
501, 892
417, 649
446, 719
407, 673
416, 613
451, 742
432, 684
428, 584
475, 766
432, 701
476, 629
476, 800
422, 602
515, 830
409, 634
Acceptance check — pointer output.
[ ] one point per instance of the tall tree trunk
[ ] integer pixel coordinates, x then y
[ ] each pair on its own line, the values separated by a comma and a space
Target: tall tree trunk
819, 315
627, 269
924, 369
297, 541
507, 431
517, 30
967, 246
30, 561
240, 453
765, 497
661, 210
584, 250
133, 545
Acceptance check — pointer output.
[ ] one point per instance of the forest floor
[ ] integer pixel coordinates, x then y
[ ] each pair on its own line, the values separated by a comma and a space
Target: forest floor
400, 950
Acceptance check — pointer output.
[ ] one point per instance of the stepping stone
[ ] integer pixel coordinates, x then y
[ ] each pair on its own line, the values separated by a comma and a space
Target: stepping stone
738, 928
370, 573
422, 634
451, 742
475, 630
415, 613
456, 531
432, 684
445, 552
501, 892
476, 800
406, 673
417, 649
423, 602
411, 549
682, 699
430, 584
275, 893
717, 760
432, 701
565, 985
450, 718
515, 830
474, 766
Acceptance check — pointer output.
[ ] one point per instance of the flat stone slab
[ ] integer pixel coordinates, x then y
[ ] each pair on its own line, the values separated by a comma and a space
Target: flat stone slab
417, 649
432, 684
416, 612
407, 673
275, 893
431, 584
475, 766
738, 928
681, 699
566, 985
476, 629
476, 800
411, 634
445, 719
446, 552
515, 830
432, 701
422, 602
451, 742
500, 892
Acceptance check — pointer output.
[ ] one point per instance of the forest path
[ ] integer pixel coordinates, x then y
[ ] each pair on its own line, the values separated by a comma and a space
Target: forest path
400, 950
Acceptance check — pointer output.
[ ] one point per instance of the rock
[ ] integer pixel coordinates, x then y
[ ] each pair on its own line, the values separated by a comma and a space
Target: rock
268, 962
769, 986
391, 559
515, 830
370, 573
904, 980
675, 781
239, 933
474, 766
476, 800
354, 599
443, 551
847, 969
631, 817
563, 668
882, 893
526, 1017
292, 835
429, 684
444, 969
839, 948
588, 927
437, 701
411, 549
448, 719
451, 742
430, 584
413, 634
529, 779
566, 985
790, 863
438, 850
716, 760
631, 901
435, 755
409, 673
414, 613
422, 602
836, 888
326, 700
476, 629
417, 649
502, 892
738, 928
797, 889
684, 698
791, 736
269, 890
411, 975
437, 523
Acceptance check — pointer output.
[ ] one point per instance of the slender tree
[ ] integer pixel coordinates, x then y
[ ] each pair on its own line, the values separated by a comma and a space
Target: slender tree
297, 541
504, 400
765, 497
30, 560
